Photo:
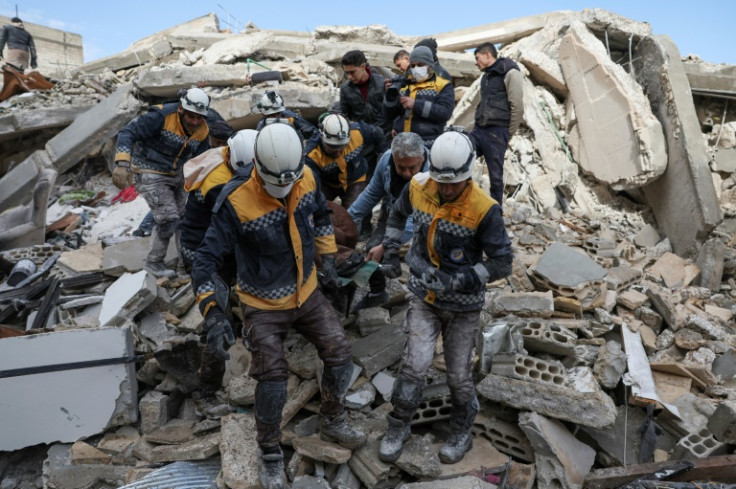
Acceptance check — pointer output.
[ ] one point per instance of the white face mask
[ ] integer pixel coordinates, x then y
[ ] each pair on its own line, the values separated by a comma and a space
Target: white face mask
277, 191
420, 73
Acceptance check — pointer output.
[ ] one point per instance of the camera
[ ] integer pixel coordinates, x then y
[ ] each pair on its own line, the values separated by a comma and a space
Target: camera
397, 83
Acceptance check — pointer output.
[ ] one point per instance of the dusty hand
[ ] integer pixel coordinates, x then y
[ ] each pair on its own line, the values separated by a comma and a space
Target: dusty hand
122, 177
407, 102
375, 254
391, 266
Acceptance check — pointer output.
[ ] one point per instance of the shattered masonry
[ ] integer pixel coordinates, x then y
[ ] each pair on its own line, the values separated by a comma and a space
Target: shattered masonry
621, 199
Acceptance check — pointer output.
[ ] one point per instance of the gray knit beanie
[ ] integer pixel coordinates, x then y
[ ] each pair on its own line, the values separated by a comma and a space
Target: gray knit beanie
422, 54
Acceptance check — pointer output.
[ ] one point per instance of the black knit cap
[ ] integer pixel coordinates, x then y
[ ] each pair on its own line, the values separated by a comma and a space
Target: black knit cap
431, 43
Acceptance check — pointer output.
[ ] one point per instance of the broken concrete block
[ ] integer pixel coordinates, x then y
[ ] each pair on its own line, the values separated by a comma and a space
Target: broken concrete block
316, 449
580, 400
154, 411
524, 367
631, 299
166, 81
242, 390
419, 458
570, 273
686, 218
523, 304
199, 448
126, 297
621, 277
371, 320
60, 473
117, 442
722, 424
69, 404
174, 432
153, 327
84, 453
559, 457
345, 479
506, 437
664, 304
674, 271
548, 337
379, 350
367, 467
711, 262
619, 442
88, 258
436, 404
99, 123
296, 402
647, 237
310, 482
384, 384
238, 450
361, 397
622, 143
698, 445
463, 482
610, 364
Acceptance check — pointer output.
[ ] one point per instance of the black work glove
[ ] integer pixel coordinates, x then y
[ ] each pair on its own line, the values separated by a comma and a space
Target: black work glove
219, 333
328, 275
391, 263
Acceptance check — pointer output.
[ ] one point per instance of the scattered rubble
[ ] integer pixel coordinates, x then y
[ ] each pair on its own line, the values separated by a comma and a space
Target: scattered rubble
612, 344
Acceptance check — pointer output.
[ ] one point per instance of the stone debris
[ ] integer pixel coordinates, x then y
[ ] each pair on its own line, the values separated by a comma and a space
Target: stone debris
612, 343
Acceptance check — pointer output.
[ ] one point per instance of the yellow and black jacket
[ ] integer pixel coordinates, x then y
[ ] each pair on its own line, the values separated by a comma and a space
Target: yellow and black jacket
451, 237
351, 166
156, 141
434, 101
204, 178
274, 242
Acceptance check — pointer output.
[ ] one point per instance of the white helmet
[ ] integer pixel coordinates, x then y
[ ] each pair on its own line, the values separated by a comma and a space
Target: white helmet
335, 130
279, 154
195, 100
241, 148
451, 158
271, 103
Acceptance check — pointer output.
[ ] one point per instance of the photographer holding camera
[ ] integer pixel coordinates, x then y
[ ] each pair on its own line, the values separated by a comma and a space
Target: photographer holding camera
421, 103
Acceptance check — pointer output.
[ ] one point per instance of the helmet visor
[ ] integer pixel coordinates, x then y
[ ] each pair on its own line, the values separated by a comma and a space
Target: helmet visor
283, 178
449, 174
197, 105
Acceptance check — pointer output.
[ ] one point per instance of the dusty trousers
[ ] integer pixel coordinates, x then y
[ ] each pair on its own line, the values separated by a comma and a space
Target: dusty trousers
423, 324
491, 142
166, 197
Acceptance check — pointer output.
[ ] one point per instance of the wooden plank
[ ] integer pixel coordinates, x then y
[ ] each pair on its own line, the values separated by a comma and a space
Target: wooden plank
721, 468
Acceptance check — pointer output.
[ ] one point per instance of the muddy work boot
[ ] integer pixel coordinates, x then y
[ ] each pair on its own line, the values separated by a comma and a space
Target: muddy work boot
271, 469
338, 430
393, 441
159, 270
457, 445
460, 439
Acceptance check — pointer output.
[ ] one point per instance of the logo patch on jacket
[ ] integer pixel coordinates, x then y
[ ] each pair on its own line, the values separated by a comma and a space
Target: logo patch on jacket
311, 221
457, 255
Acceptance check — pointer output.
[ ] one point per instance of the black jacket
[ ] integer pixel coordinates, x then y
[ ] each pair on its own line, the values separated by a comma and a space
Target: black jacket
355, 108
18, 38
494, 109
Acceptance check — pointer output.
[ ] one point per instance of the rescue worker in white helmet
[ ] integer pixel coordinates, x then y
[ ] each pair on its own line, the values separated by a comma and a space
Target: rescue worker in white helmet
271, 105
151, 152
275, 222
337, 156
455, 223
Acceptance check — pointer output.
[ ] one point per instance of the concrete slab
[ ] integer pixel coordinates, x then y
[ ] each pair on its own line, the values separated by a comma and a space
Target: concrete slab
88, 258
19, 122
709, 78
239, 456
684, 199
70, 404
98, 124
464, 482
565, 267
316, 449
126, 297
16, 186
166, 81
379, 350
60, 473
622, 143
559, 457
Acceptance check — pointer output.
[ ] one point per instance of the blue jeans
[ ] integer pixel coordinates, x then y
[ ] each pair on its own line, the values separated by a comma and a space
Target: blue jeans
491, 142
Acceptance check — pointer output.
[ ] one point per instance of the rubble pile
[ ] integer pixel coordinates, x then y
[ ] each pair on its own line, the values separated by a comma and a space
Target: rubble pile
608, 355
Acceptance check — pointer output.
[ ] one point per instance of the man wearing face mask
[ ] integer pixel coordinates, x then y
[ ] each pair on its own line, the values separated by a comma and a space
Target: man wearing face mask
275, 223
336, 156
425, 105
151, 152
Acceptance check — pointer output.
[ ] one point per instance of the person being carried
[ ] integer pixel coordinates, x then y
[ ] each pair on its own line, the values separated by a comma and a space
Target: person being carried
151, 152
455, 224
276, 222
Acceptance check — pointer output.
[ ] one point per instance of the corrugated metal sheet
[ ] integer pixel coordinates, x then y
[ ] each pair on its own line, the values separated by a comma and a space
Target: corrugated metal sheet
180, 475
